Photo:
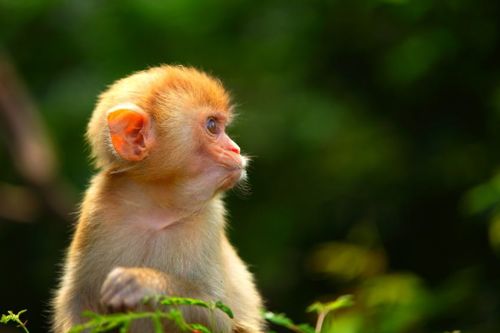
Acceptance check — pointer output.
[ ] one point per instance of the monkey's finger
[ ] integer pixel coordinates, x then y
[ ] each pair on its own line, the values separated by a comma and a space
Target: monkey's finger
111, 291
128, 291
108, 286
120, 289
108, 291
115, 304
113, 277
132, 299
123, 300
114, 284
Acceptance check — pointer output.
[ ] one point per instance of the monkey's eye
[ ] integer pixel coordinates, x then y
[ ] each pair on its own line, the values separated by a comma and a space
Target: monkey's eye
212, 126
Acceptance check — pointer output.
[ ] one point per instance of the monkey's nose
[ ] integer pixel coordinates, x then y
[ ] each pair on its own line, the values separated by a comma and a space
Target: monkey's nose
229, 144
233, 146
235, 149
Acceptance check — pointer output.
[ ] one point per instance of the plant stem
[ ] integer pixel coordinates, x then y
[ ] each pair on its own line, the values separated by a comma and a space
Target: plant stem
319, 322
21, 324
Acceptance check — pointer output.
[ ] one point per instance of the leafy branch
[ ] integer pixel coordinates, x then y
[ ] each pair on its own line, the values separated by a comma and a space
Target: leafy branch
13, 317
321, 309
281, 319
122, 321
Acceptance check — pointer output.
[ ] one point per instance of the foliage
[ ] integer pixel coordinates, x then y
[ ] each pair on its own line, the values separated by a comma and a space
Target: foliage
322, 310
122, 321
340, 303
281, 319
167, 308
14, 317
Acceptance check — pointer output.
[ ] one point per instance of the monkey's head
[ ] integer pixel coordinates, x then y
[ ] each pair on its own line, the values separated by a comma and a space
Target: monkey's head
167, 124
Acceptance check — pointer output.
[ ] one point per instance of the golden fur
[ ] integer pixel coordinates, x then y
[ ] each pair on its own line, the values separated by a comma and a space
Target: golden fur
161, 217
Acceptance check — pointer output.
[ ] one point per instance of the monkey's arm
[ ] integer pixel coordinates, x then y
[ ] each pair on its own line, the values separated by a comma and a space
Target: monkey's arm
243, 298
125, 287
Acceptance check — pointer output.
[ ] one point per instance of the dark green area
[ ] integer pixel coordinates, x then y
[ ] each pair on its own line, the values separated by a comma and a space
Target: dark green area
374, 127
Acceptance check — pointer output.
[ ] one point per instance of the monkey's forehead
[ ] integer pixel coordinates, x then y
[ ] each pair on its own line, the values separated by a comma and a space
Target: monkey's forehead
172, 87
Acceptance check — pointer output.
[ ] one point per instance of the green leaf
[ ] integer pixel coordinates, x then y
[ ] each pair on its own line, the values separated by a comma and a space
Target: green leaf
125, 327
279, 319
176, 316
224, 308
282, 320
316, 307
184, 301
157, 324
13, 317
306, 328
200, 328
344, 301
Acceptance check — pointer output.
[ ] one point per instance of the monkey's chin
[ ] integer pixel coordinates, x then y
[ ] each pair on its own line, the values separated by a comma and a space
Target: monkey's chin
233, 177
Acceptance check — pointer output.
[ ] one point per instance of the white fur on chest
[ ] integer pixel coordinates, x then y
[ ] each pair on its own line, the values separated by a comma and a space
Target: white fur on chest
182, 250
167, 251
188, 250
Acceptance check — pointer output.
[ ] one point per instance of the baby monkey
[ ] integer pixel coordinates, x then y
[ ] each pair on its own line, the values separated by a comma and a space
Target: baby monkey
152, 221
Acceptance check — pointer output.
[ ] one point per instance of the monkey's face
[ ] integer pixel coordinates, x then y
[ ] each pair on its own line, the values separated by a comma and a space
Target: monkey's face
217, 157
176, 132
191, 147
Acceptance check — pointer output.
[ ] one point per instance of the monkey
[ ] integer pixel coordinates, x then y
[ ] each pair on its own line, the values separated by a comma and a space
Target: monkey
152, 220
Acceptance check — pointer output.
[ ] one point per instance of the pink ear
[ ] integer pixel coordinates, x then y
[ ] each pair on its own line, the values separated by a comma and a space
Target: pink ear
131, 132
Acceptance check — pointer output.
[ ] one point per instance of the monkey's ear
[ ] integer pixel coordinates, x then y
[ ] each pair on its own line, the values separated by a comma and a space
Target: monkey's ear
131, 131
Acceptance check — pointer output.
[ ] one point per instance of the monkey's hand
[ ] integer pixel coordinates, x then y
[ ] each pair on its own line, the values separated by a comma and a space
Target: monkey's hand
125, 287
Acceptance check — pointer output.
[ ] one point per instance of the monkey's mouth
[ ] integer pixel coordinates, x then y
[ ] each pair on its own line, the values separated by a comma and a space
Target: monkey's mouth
235, 172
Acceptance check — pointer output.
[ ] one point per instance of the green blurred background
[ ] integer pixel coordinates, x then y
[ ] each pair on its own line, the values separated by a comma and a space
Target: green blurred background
374, 127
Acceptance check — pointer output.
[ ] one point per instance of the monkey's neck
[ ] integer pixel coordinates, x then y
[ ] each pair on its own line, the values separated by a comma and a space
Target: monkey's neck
163, 203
